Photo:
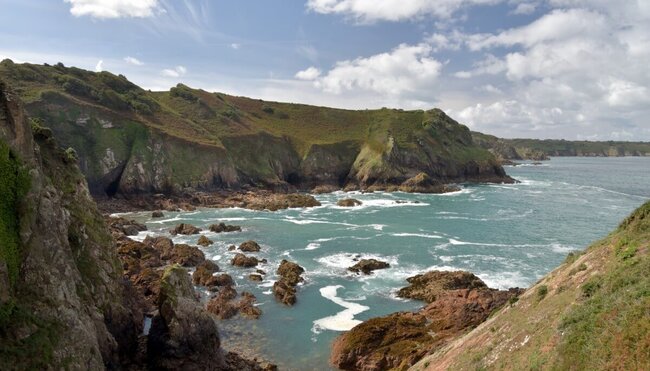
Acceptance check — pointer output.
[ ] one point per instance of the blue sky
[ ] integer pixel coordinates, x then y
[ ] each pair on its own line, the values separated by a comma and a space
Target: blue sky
574, 69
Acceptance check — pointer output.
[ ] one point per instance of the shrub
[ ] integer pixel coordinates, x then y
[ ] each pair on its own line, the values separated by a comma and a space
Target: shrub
541, 292
268, 109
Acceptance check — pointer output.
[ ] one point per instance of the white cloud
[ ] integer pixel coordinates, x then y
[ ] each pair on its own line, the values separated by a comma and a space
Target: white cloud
99, 67
393, 10
113, 8
403, 69
133, 61
311, 73
491, 65
525, 8
177, 71
235, 46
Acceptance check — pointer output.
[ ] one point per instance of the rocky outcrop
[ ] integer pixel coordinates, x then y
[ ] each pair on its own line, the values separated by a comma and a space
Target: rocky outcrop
126, 227
250, 246
284, 289
241, 260
366, 266
223, 227
204, 241
185, 229
457, 301
348, 202
204, 273
183, 336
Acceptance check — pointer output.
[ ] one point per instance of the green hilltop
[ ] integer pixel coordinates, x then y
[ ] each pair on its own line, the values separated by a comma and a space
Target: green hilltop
131, 140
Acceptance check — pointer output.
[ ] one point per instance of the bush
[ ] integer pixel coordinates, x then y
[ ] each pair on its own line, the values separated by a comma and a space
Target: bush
268, 109
541, 292
590, 288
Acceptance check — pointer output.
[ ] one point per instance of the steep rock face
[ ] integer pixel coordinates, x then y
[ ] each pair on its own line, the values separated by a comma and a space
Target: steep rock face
456, 301
131, 141
183, 336
65, 303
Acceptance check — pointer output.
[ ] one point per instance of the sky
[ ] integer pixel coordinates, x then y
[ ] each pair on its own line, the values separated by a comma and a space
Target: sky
571, 69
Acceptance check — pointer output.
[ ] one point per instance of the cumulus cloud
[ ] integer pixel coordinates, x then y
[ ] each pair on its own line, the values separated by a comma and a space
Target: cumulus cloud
401, 70
392, 10
177, 71
99, 67
235, 46
311, 73
112, 8
133, 61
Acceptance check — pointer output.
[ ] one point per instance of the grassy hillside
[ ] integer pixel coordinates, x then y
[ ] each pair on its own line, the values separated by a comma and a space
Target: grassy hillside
133, 140
540, 149
591, 313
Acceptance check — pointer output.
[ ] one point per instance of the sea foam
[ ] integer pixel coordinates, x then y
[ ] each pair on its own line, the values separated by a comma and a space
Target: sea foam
343, 320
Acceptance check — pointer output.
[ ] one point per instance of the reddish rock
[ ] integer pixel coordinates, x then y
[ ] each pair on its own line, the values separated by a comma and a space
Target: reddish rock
204, 241
157, 214
348, 202
203, 273
250, 246
220, 280
241, 260
458, 301
185, 255
284, 289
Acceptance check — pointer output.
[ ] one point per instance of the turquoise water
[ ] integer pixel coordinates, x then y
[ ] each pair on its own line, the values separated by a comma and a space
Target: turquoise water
509, 235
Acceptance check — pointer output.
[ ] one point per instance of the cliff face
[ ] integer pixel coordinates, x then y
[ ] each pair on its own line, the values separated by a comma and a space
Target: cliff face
134, 141
537, 149
62, 301
591, 313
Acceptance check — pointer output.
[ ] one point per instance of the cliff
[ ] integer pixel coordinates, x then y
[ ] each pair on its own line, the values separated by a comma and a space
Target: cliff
130, 140
541, 149
591, 313
65, 301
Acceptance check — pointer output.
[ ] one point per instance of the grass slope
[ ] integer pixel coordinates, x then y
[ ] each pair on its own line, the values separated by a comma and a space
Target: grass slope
591, 313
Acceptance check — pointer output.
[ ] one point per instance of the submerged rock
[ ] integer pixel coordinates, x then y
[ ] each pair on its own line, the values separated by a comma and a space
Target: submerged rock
223, 227
457, 301
250, 246
366, 266
348, 202
255, 277
185, 229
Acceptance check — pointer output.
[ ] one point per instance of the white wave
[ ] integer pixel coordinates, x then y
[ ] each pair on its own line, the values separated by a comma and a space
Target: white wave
446, 259
315, 221
312, 246
343, 320
504, 280
422, 235
462, 191
346, 260
162, 221
557, 247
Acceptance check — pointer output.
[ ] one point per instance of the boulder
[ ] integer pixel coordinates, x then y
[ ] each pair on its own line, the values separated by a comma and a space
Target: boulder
324, 189
125, 226
255, 277
185, 255
250, 246
427, 286
184, 228
284, 289
183, 336
157, 214
348, 202
366, 266
241, 260
246, 306
458, 301
203, 272
204, 241
219, 280
223, 227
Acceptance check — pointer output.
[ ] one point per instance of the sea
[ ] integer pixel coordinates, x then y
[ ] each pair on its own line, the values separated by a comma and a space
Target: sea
509, 235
